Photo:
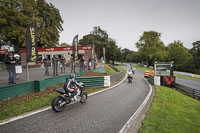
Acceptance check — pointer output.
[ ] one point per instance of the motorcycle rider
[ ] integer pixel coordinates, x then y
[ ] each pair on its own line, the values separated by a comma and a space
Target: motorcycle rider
72, 86
130, 74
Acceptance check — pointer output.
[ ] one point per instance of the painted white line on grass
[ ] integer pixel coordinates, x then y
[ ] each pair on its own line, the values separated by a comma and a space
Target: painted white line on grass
128, 124
49, 107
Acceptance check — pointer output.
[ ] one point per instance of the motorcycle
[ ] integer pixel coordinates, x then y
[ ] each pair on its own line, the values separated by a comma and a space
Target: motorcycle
65, 98
130, 78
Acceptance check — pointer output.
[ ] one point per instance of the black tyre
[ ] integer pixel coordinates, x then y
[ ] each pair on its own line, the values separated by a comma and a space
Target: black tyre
83, 97
58, 104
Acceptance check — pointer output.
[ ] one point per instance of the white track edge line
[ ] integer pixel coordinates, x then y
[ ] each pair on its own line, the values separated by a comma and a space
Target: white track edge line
128, 124
49, 107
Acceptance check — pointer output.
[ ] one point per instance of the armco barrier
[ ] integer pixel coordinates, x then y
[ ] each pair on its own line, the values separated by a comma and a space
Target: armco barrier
116, 77
20, 89
11, 91
94, 82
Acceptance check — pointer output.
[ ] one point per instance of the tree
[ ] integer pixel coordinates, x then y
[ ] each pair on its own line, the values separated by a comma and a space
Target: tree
100, 39
16, 16
64, 45
180, 55
151, 48
195, 51
125, 52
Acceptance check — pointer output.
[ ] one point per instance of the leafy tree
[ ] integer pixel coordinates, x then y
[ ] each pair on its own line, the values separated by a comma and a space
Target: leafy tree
64, 45
125, 52
180, 55
195, 51
151, 48
100, 39
17, 15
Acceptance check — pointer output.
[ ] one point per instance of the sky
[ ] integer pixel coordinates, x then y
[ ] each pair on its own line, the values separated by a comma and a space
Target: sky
126, 20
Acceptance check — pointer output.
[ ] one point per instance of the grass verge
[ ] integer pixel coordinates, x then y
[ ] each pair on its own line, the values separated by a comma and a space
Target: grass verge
143, 68
187, 77
172, 112
121, 69
109, 70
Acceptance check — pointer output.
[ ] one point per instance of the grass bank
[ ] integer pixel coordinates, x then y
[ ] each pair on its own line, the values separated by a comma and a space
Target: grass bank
187, 77
143, 68
121, 69
172, 112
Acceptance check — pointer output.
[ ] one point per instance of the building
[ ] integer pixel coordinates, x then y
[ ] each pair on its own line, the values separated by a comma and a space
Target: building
87, 51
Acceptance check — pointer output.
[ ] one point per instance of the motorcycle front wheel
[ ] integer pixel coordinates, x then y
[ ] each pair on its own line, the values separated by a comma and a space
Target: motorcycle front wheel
83, 97
58, 104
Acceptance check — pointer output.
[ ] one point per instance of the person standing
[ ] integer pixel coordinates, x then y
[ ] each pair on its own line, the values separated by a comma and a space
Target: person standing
82, 65
46, 65
10, 62
55, 65
89, 63
62, 62
72, 64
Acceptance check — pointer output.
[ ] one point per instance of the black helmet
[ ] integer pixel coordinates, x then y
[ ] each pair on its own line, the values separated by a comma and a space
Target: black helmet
72, 76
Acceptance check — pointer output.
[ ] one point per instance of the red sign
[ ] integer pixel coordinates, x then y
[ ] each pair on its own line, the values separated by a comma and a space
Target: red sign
59, 49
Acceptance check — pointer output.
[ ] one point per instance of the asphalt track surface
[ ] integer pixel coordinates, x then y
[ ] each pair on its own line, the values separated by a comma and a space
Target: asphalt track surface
190, 83
106, 112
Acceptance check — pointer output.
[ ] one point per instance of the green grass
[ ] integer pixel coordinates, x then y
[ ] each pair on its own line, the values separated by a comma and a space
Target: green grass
172, 112
187, 77
30, 102
109, 70
143, 68
121, 69
120, 64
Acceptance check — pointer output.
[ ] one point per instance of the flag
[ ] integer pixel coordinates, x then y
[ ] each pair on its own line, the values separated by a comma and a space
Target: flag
31, 43
75, 48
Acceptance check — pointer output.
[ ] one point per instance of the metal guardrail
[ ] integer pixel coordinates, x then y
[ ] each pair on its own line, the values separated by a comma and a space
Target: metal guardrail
190, 91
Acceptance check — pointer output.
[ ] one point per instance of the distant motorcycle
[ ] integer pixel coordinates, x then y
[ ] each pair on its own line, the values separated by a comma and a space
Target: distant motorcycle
65, 98
130, 76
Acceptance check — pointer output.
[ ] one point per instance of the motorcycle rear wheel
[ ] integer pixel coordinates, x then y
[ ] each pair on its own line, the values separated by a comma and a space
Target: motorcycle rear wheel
56, 104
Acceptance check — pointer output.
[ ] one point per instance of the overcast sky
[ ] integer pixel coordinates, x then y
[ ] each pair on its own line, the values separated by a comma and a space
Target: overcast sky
126, 20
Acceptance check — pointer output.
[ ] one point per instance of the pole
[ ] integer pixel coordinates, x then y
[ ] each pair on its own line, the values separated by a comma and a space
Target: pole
27, 72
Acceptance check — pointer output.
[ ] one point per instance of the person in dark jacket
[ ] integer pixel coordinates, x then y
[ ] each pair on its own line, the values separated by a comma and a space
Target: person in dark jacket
55, 65
46, 65
62, 63
10, 62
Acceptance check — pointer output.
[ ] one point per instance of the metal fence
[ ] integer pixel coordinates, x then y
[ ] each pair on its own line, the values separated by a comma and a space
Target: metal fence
32, 71
189, 91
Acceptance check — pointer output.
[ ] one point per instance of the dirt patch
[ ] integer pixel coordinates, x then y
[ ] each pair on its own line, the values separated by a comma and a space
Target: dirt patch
91, 73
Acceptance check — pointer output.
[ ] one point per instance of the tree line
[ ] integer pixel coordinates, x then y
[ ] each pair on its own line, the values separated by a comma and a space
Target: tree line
151, 49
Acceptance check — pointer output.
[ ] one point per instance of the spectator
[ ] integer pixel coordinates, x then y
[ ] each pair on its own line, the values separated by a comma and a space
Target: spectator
55, 65
46, 65
62, 63
89, 63
10, 65
82, 65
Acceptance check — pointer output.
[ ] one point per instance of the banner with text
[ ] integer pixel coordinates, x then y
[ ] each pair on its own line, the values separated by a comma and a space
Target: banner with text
31, 43
75, 48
